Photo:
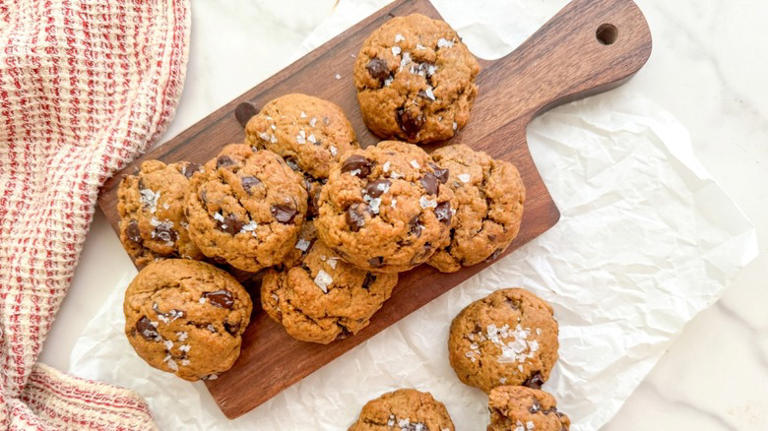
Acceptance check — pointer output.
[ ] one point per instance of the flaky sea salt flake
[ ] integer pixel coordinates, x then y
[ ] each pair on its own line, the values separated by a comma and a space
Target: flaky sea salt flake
323, 280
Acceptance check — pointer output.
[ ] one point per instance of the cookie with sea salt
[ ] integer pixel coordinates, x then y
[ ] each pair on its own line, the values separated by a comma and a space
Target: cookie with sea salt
321, 298
507, 338
404, 409
186, 317
415, 80
246, 208
517, 408
386, 208
151, 207
490, 195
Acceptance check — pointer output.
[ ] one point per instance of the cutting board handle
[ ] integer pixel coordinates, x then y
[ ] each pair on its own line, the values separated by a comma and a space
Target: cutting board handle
590, 46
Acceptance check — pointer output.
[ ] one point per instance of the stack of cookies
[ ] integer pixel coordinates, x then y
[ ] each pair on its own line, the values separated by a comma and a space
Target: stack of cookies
326, 225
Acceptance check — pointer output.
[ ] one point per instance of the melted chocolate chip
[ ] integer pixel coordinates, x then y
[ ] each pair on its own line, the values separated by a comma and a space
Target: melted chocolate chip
535, 407
283, 213
357, 163
443, 212
344, 333
376, 188
409, 122
378, 69
244, 112
370, 278
223, 161
166, 232
313, 201
230, 225
376, 262
495, 255
440, 173
415, 227
249, 182
190, 169
147, 329
534, 382
132, 232
204, 196
232, 328
429, 182
356, 216
220, 298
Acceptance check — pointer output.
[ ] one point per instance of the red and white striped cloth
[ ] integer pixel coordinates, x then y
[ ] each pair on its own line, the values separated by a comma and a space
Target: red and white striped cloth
85, 86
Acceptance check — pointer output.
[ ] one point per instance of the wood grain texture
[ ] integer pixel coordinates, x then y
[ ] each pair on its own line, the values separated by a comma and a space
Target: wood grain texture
563, 61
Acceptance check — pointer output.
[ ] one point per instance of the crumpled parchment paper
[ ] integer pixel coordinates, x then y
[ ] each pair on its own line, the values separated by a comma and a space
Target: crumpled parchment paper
646, 240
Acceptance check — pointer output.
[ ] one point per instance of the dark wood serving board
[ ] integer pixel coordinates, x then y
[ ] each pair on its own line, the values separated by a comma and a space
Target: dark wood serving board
588, 47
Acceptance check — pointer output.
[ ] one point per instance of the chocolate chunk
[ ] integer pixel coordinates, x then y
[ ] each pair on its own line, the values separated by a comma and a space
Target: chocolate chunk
495, 255
166, 232
357, 163
440, 173
415, 227
443, 212
224, 161
534, 382
429, 182
356, 216
345, 333
132, 232
220, 298
535, 407
147, 329
370, 278
232, 328
313, 201
244, 112
377, 188
249, 182
292, 164
376, 262
409, 122
231, 224
204, 196
378, 69
283, 213
190, 169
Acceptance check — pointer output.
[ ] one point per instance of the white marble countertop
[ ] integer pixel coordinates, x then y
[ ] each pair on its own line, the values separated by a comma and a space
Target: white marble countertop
708, 68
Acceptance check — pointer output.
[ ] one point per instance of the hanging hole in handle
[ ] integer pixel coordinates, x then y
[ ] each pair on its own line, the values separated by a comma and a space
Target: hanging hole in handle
607, 34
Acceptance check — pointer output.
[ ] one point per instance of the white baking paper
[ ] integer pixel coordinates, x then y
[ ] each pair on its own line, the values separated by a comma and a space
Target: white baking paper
646, 240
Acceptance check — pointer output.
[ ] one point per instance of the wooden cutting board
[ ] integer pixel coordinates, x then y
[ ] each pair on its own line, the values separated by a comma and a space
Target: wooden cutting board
588, 47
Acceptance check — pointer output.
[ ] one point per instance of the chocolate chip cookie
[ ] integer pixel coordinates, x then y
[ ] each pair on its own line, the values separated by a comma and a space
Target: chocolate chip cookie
507, 338
386, 208
490, 197
151, 207
517, 408
246, 208
322, 298
404, 410
186, 317
415, 80
306, 131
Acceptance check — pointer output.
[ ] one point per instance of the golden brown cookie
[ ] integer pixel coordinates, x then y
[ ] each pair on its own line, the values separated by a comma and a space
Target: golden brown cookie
322, 298
386, 208
186, 317
246, 208
490, 197
415, 80
507, 338
517, 408
151, 207
404, 409
308, 132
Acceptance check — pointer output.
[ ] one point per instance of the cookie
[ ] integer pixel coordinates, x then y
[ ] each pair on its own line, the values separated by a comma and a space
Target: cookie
308, 132
404, 410
507, 338
186, 317
490, 197
322, 298
517, 408
151, 207
415, 80
246, 208
386, 208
